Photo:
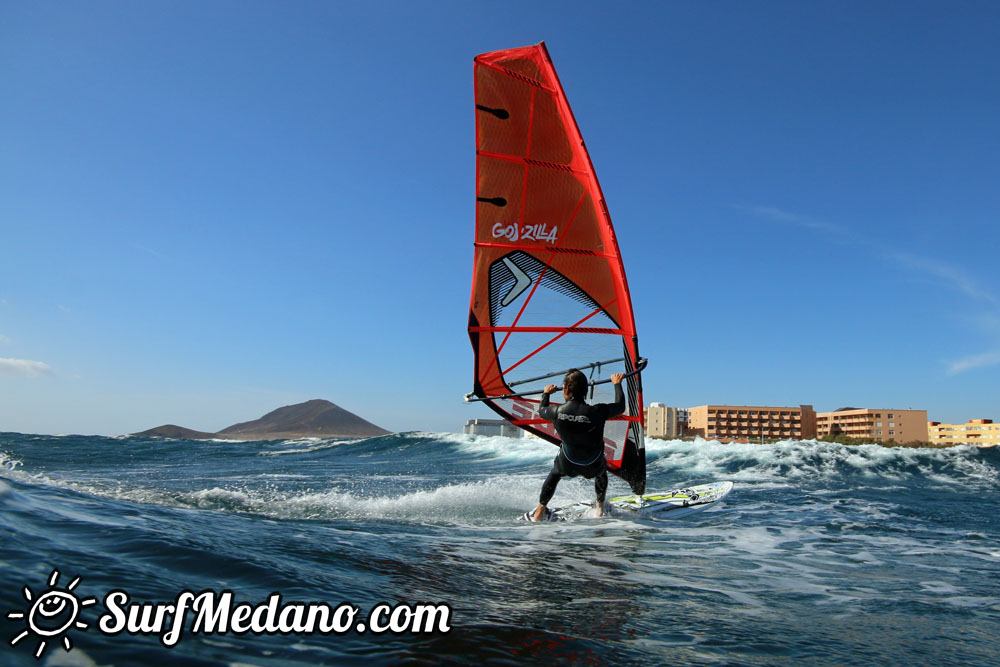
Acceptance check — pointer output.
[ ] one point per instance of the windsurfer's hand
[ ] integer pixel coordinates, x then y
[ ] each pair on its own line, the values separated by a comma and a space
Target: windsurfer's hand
550, 388
617, 378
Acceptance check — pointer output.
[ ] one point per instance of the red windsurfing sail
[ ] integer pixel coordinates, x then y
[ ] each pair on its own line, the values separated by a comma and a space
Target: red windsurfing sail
548, 285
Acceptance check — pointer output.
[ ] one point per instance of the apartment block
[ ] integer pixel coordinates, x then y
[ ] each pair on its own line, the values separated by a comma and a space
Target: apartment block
665, 422
750, 422
873, 424
979, 432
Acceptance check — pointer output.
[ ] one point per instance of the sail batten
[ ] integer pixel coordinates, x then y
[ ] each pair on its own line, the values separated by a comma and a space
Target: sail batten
594, 330
548, 287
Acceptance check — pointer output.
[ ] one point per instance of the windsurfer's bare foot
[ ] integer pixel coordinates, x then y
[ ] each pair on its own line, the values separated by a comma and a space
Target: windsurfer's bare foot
598, 509
539, 514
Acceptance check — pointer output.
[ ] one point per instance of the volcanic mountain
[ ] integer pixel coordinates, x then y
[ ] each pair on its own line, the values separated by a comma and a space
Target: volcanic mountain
179, 432
313, 419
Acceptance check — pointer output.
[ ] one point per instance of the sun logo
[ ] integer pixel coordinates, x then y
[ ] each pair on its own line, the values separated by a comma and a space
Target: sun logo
51, 614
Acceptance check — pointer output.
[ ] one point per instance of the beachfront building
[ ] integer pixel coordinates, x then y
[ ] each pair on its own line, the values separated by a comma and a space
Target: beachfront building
491, 427
752, 423
873, 424
665, 422
979, 432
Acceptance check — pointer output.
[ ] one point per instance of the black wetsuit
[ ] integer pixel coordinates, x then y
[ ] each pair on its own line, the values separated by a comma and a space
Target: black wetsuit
581, 429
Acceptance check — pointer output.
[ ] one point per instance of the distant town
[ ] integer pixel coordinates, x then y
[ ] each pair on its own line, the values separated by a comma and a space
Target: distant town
759, 423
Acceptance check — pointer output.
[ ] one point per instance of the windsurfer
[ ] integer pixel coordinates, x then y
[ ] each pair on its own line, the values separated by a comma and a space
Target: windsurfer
581, 428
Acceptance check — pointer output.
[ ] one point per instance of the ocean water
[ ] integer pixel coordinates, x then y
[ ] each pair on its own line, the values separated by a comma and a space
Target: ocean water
822, 554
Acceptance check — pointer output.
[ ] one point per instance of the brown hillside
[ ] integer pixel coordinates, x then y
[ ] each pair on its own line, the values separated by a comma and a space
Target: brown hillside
317, 418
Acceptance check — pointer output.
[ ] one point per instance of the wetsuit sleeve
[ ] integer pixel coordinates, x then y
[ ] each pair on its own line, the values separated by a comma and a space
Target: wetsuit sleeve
546, 411
618, 407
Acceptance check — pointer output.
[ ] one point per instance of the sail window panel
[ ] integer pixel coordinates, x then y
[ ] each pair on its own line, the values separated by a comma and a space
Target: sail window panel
524, 285
520, 358
561, 302
594, 277
551, 309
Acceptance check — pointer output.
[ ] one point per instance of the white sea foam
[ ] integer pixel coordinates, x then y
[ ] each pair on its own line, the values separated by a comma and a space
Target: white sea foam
811, 459
8, 463
499, 447
308, 445
501, 496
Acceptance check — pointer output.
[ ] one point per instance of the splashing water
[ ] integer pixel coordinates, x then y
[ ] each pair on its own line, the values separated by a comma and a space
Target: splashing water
822, 553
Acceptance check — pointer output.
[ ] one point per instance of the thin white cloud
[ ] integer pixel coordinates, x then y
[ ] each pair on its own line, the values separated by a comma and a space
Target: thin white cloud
974, 362
778, 215
958, 280
953, 276
154, 253
23, 368
5, 340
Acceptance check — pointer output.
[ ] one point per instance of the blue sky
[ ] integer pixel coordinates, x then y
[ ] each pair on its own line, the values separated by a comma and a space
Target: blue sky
210, 210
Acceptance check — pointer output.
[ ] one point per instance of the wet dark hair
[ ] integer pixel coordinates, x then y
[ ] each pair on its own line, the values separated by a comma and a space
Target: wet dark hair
575, 384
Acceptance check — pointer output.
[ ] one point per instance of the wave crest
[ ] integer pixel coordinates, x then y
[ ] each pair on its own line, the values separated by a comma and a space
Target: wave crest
805, 460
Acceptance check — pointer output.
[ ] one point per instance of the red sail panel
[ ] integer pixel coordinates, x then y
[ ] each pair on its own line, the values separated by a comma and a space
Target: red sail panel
548, 286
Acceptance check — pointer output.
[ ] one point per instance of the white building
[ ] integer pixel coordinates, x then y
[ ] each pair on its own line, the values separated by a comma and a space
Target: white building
665, 422
491, 427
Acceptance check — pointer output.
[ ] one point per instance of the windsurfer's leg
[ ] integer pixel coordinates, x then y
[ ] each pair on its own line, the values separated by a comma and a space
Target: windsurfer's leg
601, 488
548, 489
